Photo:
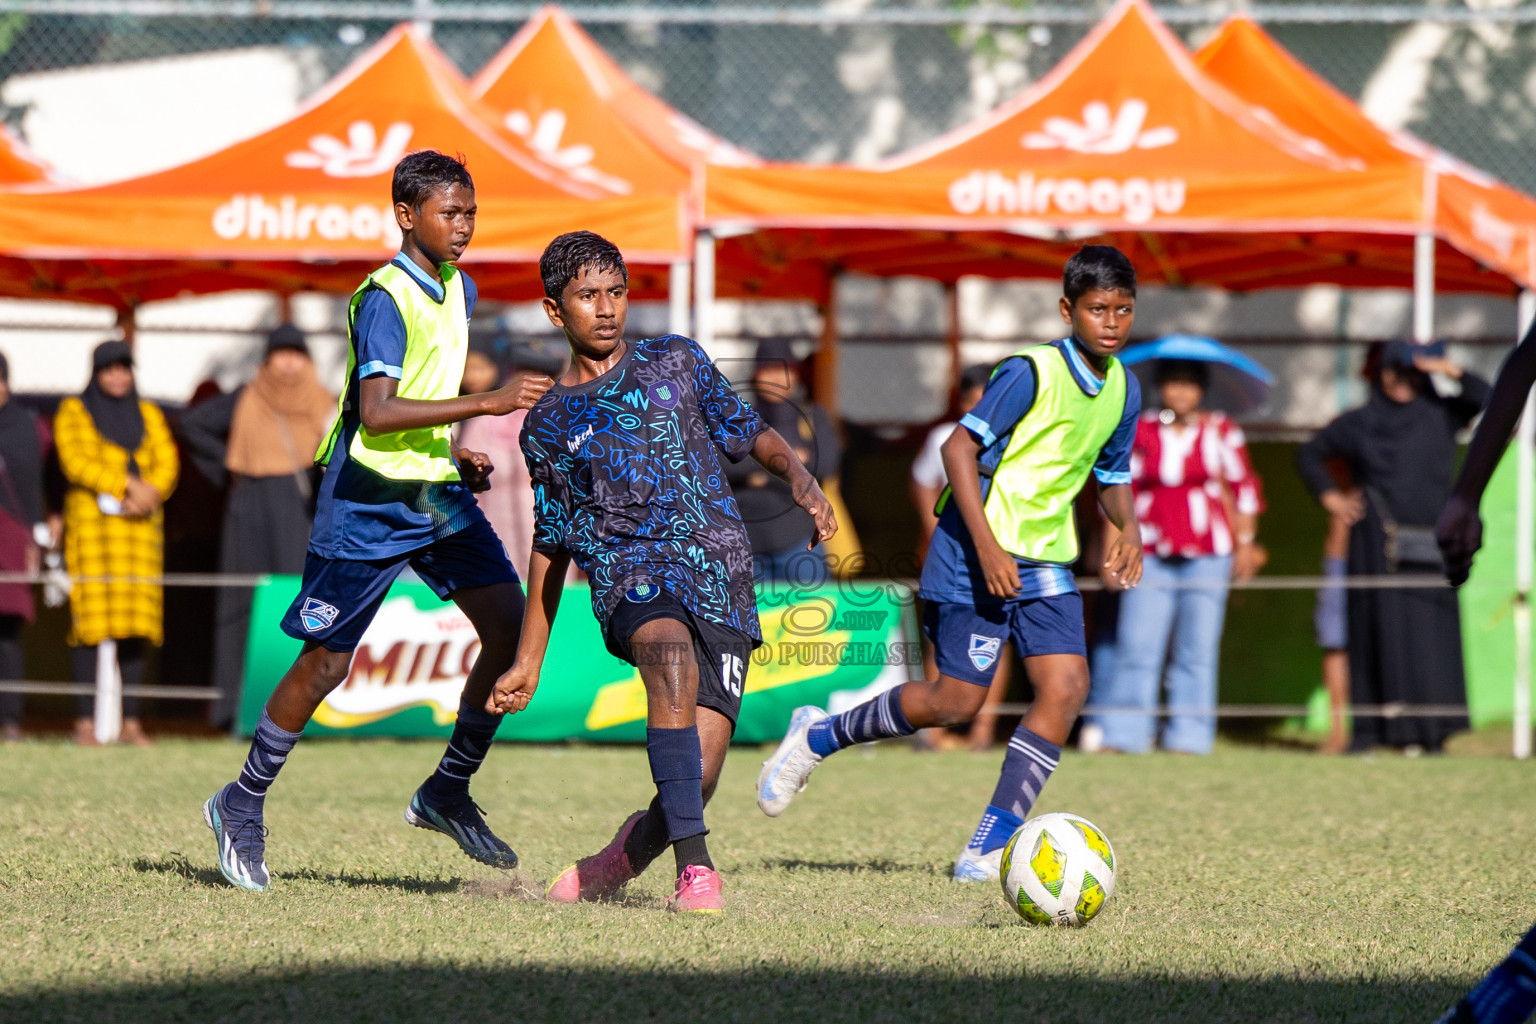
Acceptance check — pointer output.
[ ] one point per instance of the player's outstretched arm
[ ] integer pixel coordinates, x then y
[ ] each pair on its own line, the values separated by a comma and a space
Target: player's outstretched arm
546, 579
775, 455
383, 411
1122, 556
999, 569
1460, 529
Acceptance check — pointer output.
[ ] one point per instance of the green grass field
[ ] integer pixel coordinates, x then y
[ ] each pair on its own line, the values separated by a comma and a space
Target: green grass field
1255, 886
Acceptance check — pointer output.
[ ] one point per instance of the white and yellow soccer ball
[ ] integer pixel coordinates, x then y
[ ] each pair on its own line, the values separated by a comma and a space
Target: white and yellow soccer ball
1058, 869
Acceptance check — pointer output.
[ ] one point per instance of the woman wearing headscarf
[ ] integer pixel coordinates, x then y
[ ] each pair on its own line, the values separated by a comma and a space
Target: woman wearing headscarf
262, 438
1198, 502
1400, 451
120, 464
24, 444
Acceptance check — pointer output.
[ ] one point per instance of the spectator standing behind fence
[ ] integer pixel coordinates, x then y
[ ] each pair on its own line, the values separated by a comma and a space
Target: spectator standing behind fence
24, 444
1330, 623
777, 526
1198, 501
261, 438
1400, 450
926, 484
120, 464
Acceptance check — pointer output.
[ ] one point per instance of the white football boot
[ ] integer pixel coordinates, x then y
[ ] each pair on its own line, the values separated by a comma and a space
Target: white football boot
785, 772
974, 866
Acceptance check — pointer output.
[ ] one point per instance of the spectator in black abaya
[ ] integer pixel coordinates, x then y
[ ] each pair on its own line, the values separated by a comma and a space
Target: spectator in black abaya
24, 443
1400, 451
261, 437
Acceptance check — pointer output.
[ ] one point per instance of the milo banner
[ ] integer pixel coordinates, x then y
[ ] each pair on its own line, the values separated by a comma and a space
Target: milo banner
833, 647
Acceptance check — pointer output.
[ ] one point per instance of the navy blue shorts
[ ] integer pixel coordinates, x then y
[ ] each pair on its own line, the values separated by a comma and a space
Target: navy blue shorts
339, 597
722, 654
968, 639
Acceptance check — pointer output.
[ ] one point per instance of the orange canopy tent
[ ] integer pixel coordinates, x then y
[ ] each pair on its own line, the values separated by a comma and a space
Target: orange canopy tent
553, 87
1126, 141
18, 166
306, 204
1475, 213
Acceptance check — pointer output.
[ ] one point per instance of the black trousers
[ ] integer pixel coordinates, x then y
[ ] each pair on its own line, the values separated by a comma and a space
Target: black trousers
13, 666
130, 665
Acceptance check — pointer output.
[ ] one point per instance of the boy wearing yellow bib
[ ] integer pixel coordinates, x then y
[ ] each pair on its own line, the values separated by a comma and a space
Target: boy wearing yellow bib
999, 564
396, 492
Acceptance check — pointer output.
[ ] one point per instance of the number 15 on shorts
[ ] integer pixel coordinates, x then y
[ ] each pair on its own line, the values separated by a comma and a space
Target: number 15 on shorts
732, 669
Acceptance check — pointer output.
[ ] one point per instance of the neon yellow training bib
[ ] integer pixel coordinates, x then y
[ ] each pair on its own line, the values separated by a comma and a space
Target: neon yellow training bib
436, 344
1049, 456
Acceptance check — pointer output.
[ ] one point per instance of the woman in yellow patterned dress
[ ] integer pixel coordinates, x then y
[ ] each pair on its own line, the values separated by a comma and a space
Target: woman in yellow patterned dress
121, 464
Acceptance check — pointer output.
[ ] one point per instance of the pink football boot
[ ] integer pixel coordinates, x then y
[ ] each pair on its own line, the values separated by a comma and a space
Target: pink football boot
599, 876
699, 891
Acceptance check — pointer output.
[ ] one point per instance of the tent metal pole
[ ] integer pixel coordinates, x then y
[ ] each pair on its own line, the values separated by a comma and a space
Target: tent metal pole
1424, 260
422, 14
1525, 546
704, 291
1424, 288
678, 284
827, 365
109, 694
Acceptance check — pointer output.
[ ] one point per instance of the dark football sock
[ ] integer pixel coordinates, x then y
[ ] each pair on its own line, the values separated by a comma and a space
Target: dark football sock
471, 741
878, 718
1028, 764
269, 751
677, 766
692, 851
647, 839
1508, 994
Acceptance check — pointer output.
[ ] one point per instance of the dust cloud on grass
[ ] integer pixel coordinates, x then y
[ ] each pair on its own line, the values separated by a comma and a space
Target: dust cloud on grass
1255, 885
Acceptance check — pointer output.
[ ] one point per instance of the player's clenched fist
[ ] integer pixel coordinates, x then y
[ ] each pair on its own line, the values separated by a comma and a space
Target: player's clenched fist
810, 497
513, 691
475, 469
523, 392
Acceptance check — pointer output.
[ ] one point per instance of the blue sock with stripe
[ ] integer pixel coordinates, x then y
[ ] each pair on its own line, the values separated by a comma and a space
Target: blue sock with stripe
471, 741
877, 719
269, 751
1508, 994
1026, 767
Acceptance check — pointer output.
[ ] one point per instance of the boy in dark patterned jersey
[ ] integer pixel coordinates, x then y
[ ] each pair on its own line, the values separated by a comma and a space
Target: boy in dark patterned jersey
625, 456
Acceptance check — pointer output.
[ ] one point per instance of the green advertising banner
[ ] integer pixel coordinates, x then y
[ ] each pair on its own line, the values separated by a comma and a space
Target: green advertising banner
833, 647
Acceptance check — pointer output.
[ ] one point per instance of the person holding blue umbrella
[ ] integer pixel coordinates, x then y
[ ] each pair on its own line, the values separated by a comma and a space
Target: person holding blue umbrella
1198, 502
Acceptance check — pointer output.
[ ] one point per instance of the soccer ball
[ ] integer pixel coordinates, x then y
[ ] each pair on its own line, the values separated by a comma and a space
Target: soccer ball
1058, 869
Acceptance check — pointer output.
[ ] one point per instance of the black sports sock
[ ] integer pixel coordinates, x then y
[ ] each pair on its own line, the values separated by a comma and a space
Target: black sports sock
473, 732
692, 850
647, 839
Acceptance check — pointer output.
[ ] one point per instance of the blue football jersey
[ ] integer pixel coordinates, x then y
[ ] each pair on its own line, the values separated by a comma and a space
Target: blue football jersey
627, 477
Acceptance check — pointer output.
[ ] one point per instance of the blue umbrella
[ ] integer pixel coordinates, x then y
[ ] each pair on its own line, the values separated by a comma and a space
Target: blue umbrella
1238, 384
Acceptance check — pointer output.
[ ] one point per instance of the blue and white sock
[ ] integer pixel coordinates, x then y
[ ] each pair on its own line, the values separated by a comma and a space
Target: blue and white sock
1028, 764
876, 719
269, 750
1508, 994
467, 747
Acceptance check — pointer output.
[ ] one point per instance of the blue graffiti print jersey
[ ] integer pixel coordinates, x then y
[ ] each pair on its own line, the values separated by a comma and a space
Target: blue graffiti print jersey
627, 477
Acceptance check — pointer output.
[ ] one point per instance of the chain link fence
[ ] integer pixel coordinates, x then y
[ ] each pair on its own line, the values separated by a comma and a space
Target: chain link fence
843, 80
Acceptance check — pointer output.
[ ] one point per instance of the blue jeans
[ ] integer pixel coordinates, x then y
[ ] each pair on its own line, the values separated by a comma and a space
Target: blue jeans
1182, 626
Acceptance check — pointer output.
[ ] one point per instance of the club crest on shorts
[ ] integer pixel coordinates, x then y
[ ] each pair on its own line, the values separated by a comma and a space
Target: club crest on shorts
984, 650
642, 593
663, 393
316, 614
